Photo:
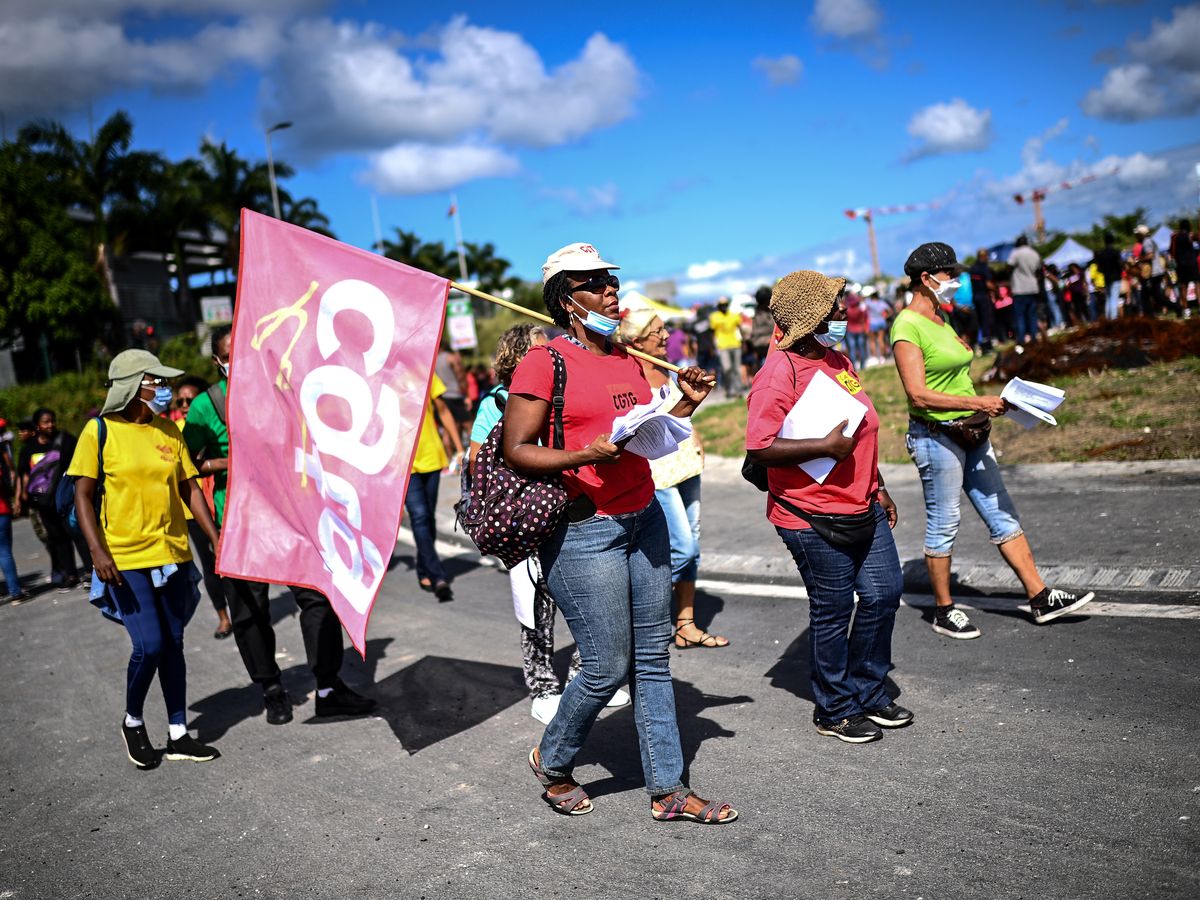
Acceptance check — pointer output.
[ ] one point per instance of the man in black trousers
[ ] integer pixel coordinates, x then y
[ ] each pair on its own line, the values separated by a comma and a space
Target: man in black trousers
207, 438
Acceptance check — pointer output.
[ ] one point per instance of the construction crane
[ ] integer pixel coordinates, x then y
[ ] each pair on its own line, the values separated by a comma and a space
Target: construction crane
1037, 197
868, 214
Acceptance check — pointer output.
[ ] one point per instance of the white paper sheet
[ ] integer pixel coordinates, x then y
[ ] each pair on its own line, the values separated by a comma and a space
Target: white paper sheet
823, 405
651, 429
522, 579
1032, 402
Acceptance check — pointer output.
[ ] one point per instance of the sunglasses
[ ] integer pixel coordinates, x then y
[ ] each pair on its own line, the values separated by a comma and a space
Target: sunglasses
153, 381
597, 283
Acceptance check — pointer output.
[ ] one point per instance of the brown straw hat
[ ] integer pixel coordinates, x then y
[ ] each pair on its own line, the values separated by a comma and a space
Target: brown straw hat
800, 301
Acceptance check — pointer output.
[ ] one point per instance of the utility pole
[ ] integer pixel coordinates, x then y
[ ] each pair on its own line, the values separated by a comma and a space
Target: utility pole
375, 220
271, 166
458, 238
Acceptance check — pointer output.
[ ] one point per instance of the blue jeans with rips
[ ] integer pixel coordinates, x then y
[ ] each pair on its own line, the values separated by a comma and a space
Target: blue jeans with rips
946, 470
611, 578
421, 504
849, 662
681, 506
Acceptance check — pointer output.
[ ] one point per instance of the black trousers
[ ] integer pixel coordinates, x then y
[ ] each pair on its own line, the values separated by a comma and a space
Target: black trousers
987, 320
62, 545
214, 585
250, 612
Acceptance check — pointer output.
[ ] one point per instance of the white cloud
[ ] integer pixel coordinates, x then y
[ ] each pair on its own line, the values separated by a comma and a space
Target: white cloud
351, 87
847, 19
53, 64
588, 201
423, 169
1162, 77
780, 70
712, 268
954, 127
1138, 169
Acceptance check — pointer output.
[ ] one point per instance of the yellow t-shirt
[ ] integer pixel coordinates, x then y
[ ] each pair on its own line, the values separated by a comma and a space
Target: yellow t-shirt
431, 453
142, 511
726, 328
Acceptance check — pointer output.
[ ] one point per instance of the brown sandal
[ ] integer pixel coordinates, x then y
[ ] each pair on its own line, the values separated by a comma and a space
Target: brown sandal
574, 802
689, 644
674, 806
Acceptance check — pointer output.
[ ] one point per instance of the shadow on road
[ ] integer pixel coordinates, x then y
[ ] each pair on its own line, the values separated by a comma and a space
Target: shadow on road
793, 671
706, 608
438, 697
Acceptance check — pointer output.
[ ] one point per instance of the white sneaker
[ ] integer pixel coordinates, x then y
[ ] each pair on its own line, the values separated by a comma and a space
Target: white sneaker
620, 698
545, 707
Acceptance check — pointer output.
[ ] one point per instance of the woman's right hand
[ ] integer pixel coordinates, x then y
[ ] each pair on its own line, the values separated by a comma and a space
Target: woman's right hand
105, 567
601, 451
992, 405
836, 443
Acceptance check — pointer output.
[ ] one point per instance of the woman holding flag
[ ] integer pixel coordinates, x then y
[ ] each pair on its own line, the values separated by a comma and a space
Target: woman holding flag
608, 564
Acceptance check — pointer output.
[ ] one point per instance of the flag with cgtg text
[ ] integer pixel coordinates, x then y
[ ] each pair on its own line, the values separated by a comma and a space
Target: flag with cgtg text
332, 356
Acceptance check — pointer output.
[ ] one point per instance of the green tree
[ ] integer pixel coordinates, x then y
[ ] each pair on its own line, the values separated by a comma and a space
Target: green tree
234, 184
1121, 228
305, 213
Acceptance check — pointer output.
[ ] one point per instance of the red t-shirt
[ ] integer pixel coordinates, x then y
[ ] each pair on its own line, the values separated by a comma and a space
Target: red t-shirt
853, 482
599, 389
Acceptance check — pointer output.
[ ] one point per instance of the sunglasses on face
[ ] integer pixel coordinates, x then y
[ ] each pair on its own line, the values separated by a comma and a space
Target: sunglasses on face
153, 381
597, 283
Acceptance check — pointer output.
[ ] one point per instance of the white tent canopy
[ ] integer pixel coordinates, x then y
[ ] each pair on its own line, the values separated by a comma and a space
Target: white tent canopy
1070, 252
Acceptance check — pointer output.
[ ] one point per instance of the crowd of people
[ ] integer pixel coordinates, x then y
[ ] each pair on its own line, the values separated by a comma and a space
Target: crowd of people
150, 475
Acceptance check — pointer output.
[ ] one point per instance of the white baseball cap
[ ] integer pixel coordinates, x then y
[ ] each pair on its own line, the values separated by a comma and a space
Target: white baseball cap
574, 258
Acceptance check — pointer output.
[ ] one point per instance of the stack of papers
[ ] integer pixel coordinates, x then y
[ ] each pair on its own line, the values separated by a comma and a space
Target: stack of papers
823, 405
650, 428
1032, 402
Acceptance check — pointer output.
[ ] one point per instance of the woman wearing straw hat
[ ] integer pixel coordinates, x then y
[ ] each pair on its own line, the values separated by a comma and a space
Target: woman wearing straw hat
676, 485
139, 540
608, 563
948, 440
838, 529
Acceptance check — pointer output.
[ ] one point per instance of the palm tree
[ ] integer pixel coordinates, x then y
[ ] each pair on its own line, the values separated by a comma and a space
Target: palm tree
99, 174
233, 185
305, 213
429, 257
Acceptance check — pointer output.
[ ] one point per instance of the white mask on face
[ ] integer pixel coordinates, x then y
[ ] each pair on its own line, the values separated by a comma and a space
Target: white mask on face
944, 290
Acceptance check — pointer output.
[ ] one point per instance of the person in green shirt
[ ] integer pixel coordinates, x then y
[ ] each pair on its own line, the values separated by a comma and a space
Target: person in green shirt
948, 440
207, 438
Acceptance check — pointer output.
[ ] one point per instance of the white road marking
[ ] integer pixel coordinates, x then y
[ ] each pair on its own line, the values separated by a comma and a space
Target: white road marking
987, 604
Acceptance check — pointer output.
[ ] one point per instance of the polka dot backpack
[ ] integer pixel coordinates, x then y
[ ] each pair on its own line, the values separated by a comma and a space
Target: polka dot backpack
508, 515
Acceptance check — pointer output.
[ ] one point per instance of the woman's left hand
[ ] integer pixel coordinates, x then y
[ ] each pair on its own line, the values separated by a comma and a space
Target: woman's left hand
889, 507
693, 384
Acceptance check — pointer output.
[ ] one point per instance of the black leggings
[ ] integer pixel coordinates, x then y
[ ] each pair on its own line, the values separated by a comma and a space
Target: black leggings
62, 546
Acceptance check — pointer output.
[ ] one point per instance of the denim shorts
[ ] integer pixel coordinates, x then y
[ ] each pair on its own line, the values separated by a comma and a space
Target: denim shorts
946, 471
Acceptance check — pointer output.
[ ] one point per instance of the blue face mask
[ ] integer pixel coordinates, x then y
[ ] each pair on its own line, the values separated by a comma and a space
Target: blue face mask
602, 325
161, 402
834, 335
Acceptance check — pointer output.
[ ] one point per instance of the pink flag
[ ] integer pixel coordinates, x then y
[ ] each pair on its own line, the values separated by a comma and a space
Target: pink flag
333, 352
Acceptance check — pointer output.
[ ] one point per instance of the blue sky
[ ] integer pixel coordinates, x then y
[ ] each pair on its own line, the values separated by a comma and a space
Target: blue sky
714, 143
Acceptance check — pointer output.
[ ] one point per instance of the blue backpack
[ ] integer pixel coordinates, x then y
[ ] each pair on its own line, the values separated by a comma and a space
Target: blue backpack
64, 496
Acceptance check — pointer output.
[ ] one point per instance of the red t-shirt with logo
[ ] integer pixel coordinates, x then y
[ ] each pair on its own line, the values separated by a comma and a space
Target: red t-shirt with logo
853, 482
599, 389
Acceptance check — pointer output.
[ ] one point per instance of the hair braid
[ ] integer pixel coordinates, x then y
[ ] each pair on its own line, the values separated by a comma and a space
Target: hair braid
555, 294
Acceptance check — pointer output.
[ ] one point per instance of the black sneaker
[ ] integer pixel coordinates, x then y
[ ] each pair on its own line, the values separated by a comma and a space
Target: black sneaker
279, 706
953, 623
137, 745
891, 716
342, 701
189, 749
854, 730
443, 592
1050, 604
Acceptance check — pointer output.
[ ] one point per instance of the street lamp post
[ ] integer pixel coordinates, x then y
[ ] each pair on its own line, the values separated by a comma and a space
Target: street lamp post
271, 165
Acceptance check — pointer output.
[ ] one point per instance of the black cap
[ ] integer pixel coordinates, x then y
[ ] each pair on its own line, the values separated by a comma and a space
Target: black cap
932, 257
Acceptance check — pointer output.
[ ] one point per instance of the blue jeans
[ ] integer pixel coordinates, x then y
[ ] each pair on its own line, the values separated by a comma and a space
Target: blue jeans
421, 503
681, 505
856, 348
611, 578
1112, 305
947, 470
1025, 316
849, 664
7, 565
155, 619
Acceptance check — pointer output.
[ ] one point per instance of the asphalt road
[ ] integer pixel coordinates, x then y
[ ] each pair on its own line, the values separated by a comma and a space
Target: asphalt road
1044, 762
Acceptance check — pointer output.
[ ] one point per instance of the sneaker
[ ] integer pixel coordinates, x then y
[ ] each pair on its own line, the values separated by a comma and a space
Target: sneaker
188, 749
443, 592
891, 716
138, 747
342, 701
545, 707
278, 705
854, 730
953, 623
619, 699
1050, 604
